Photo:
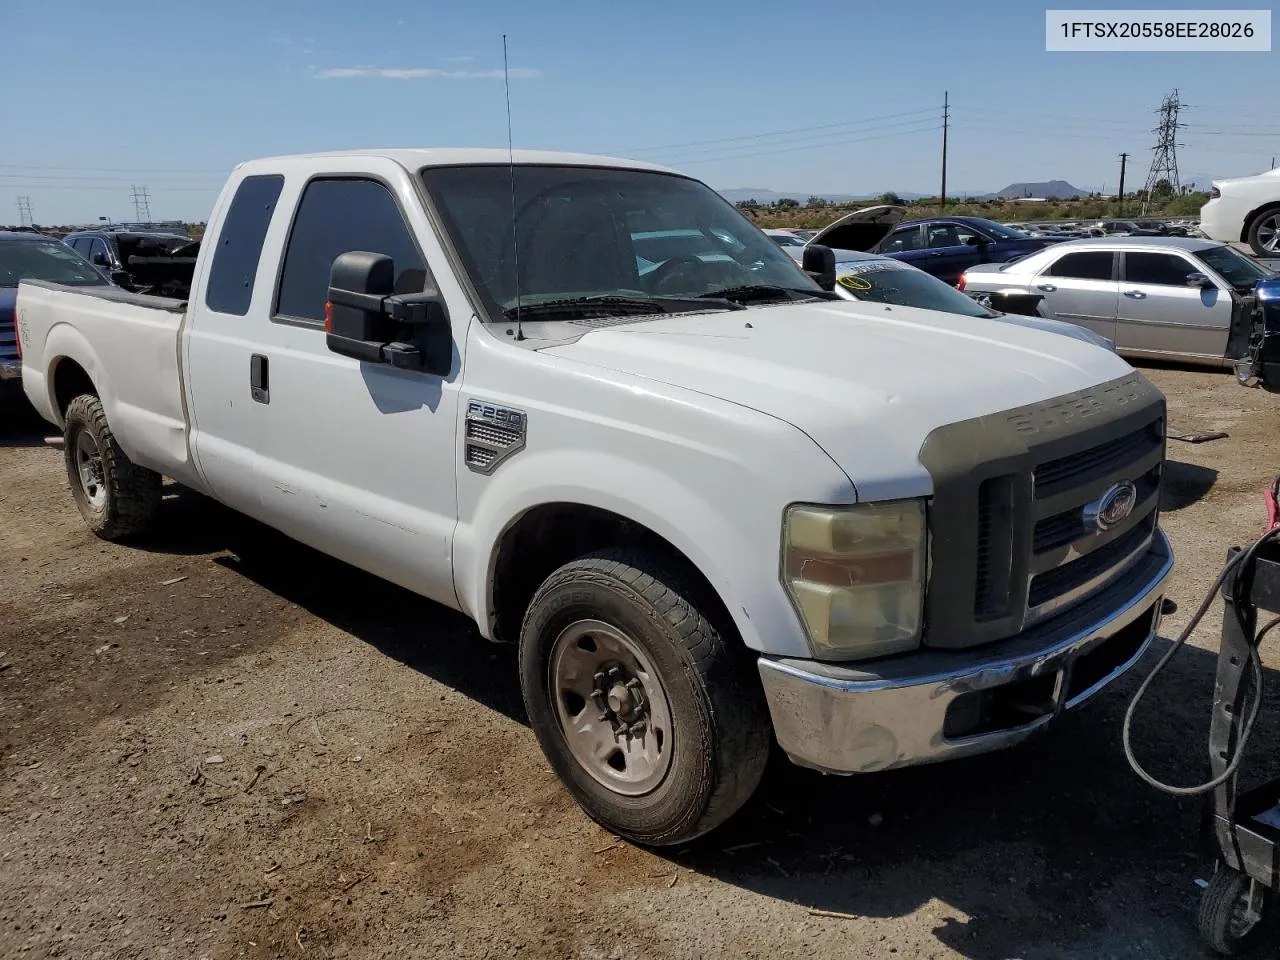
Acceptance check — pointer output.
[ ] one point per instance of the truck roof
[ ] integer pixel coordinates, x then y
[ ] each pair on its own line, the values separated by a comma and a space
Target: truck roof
416, 158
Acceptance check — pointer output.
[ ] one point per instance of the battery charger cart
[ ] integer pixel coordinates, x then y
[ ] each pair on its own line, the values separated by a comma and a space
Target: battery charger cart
1243, 828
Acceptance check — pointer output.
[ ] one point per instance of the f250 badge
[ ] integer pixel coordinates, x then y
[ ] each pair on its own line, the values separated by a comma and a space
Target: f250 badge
491, 434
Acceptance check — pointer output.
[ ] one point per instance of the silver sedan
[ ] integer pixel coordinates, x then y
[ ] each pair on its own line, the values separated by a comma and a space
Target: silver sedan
1154, 297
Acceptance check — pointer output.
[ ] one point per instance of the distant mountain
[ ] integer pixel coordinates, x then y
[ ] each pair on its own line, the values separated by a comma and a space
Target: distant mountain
765, 195
1049, 189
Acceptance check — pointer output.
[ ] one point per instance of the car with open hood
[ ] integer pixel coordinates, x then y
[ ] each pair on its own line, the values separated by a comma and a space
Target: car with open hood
942, 246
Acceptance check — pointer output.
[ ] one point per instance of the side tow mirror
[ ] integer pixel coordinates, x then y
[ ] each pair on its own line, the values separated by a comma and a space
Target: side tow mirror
366, 320
819, 262
99, 259
976, 241
1197, 279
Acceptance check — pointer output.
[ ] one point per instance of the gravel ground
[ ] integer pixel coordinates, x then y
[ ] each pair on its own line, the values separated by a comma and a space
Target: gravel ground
223, 744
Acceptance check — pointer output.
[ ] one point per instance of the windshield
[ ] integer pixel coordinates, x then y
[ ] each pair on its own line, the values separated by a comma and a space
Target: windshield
589, 232
1002, 231
39, 260
1238, 270
889, 281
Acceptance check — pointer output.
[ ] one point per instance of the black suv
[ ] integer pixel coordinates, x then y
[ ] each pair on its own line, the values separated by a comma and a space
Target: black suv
140, 260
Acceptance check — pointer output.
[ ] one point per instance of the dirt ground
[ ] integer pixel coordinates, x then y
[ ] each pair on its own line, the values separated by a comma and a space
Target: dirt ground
222, 744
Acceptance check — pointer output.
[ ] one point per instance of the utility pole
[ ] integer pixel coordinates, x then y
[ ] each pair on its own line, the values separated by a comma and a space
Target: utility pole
946, 119
1164, 155
24, 212
141, 205
1124, 157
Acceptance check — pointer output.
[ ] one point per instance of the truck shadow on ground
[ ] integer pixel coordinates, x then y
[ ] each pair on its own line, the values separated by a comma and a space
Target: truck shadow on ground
1057, 837
1185, 484
20, 425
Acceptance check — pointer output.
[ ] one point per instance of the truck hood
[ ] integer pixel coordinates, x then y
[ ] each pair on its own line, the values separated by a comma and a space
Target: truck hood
866, 382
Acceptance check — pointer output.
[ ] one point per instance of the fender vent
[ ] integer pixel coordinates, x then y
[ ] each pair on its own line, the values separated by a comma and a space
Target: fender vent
491, 434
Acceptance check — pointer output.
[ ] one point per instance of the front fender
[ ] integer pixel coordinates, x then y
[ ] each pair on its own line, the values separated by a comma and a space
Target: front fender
742, 569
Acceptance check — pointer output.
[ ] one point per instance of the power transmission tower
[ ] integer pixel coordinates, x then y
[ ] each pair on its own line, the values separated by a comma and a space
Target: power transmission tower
141, 205
24, 212
1164, 155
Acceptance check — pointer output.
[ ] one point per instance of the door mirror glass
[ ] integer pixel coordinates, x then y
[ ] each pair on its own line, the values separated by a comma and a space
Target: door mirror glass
975, 240
1197, 279
99, 258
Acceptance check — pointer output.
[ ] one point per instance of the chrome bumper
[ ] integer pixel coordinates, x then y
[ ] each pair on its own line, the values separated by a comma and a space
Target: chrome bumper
936, 705
11, 369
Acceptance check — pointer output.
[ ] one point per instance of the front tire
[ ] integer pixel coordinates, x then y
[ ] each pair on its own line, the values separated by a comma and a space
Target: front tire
116, 497
645, 708
1264, 233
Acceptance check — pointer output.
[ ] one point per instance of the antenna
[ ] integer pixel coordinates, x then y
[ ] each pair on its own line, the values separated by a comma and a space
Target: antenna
511, 170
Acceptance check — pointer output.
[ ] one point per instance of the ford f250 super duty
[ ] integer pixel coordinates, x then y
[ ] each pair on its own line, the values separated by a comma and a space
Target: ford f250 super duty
713, 503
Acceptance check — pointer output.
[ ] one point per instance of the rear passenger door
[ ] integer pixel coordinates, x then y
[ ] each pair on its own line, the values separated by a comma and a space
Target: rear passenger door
359, 459
225, 327
1160, 314
949, 250
1080, 287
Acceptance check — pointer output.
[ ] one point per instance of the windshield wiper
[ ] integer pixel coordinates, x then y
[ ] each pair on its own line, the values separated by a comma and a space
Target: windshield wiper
763, 291
610, 305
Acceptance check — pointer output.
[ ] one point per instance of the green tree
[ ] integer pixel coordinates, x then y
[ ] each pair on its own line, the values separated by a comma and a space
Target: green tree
786, 203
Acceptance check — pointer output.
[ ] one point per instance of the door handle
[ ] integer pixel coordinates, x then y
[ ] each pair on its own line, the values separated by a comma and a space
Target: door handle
1046, 287
259, 378
1135, 295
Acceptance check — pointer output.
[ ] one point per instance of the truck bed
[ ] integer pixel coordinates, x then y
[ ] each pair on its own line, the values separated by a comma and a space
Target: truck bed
128, 346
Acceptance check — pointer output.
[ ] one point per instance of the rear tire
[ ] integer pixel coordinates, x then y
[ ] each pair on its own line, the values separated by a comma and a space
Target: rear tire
116, 497
685, 751
1264, 233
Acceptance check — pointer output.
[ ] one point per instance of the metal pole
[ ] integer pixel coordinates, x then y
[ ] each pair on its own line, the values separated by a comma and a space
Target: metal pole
946, 118
1120, 193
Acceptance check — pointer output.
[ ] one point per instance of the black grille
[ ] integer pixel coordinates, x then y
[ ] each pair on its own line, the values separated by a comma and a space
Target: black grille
990, 593
1052, 476
1068, 526
1070, 576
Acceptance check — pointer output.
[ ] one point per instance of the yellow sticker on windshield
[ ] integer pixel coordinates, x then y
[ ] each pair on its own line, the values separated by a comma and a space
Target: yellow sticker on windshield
854, 282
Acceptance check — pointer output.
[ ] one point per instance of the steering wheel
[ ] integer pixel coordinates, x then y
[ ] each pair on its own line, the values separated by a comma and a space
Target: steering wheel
671, 268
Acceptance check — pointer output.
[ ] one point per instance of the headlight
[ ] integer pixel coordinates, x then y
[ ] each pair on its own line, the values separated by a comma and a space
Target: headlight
856, 576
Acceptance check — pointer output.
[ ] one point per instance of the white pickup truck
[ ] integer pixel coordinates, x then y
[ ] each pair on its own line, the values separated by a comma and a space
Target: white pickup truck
585, 402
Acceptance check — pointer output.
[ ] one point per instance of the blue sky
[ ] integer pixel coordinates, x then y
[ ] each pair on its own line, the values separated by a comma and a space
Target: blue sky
829, 98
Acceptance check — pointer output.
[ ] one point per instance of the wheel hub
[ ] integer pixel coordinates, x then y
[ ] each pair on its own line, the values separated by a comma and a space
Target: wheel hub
611, 707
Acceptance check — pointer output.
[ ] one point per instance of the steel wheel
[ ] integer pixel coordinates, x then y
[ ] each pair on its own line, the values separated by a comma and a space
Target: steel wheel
89, 469
1268, 232
611, 707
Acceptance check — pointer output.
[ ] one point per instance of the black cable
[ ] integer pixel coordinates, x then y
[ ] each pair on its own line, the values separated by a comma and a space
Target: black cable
1245, 615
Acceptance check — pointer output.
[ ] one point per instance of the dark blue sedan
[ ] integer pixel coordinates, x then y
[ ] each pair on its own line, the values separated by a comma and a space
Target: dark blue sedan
943, 246
33, 256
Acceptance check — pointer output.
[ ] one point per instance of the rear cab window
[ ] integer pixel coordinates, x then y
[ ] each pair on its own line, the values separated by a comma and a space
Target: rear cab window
235, 262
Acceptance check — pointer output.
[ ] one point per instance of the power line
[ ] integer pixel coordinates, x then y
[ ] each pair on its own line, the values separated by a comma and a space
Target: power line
836, 143
816, 140
782, 133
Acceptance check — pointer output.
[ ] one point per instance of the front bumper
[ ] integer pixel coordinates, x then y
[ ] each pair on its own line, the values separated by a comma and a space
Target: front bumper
938, 704
10, 369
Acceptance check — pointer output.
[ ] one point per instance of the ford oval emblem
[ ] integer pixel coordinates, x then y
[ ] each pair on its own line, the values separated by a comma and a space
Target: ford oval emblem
1112, 508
